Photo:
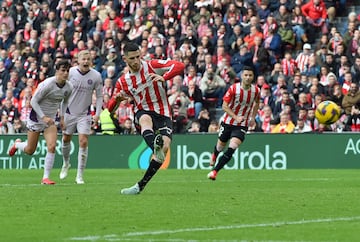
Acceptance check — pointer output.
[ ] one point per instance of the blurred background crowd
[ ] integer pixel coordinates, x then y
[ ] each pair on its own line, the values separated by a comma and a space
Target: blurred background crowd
303, 52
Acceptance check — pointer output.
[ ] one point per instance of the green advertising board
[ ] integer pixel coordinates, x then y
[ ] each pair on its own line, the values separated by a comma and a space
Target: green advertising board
259, 151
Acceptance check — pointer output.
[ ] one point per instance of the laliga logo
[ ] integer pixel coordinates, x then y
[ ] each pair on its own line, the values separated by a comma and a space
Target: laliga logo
141, 157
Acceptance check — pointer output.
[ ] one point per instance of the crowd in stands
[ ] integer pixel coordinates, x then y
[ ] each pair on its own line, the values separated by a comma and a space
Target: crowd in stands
299, 55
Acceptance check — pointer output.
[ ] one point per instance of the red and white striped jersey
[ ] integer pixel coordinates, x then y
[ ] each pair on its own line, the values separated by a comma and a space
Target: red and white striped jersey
147, 94
302, 61
241, 102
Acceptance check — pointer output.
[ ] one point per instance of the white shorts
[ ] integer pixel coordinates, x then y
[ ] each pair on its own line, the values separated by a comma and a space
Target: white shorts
79, 124
36, 126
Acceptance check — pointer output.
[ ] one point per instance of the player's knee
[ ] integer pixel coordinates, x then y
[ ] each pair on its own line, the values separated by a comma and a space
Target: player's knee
51, 148
66, 138
83, 143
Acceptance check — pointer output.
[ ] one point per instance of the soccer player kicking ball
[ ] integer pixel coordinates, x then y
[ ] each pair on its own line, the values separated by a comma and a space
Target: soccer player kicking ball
145, 85
240, 104
51, 94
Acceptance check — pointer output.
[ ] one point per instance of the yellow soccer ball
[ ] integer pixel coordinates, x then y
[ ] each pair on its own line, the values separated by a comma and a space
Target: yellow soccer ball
327, 112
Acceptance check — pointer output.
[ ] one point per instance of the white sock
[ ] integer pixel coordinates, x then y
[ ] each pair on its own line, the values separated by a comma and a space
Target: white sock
82, 159
49, 163
66, 152
21, 145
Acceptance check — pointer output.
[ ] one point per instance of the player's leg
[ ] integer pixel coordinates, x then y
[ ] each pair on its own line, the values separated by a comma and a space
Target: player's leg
226, 157
217, 149
30, 145
147, 130
82, 157
50, 135
161, 144
223, 138
236, 136
84, 130
70, 124
65, 148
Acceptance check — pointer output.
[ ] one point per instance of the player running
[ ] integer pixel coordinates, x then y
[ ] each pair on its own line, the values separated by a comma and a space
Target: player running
51, 94
240, 104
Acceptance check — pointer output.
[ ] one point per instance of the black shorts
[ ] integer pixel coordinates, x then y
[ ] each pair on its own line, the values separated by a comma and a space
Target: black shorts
228, 131
160, 122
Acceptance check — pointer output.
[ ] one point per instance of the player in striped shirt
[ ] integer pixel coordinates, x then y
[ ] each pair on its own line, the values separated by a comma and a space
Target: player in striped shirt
52, 93
240, 104
144, 84
86, 81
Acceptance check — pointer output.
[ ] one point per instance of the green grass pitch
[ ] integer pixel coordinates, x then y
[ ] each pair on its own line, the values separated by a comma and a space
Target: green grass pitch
182, 205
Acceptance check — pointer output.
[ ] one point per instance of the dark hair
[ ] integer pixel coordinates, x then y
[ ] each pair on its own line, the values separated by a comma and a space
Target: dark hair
130, 46
248, 68
62, 63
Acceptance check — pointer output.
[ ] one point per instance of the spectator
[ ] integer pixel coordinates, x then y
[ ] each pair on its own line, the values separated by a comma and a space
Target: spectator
281, 105
10, 111
5, 39
270, 23
302, 59
212, 86
18, 14
6, 19
312, 69
264, 11
303, 102
302, 127
19, 126
296, 87
278, 89
267, 97
260, 57
351, 98
127, 127
298, 22
124, 111
9, 95
6, 127
285, 125
241, 59
346, 83
204, 120
288, 64
194, 94
4, 78
194, 127
226, 72
287, 35
321, 54
316, 15
353, 121
264, 118
179, 103
331, 63
282, 13
250, 38
272, 44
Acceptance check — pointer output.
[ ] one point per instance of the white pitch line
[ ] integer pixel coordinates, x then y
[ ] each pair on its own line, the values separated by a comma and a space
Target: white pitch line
241, 226
184, 181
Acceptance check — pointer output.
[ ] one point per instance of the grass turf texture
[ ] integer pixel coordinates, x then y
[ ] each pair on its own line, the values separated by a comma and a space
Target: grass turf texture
182, 205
